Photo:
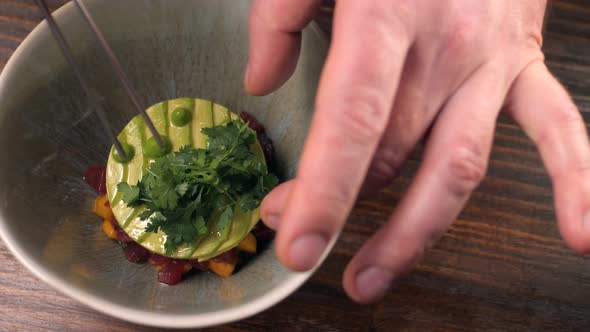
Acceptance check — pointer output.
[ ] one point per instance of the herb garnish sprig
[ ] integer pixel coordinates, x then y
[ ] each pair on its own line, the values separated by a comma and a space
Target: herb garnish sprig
184, 192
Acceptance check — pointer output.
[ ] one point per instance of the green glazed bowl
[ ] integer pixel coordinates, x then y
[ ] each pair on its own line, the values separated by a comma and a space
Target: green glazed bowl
169, 48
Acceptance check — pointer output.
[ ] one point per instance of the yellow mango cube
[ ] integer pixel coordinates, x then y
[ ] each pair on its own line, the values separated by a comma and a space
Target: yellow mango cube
109, 230
248, 244
102, 208
221, 268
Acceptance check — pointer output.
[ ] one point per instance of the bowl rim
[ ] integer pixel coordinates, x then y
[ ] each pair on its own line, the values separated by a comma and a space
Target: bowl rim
141, 317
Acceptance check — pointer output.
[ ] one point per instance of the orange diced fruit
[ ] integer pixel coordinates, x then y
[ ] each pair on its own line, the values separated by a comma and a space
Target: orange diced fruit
187, 267
222, 268
102, 208
109, 230
248, 244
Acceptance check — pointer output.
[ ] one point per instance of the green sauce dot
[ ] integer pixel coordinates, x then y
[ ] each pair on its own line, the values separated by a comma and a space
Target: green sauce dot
181, 117
151, 149
129, 151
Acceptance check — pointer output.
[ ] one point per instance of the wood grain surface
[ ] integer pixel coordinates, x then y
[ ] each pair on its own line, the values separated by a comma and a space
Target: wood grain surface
501, 266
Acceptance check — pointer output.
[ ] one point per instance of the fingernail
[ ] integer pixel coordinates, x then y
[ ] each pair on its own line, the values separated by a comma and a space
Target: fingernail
586, 221
306, 250
372, 283
272, 221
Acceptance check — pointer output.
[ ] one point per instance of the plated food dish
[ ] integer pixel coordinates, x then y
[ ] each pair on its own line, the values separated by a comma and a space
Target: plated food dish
192, 202
172, 47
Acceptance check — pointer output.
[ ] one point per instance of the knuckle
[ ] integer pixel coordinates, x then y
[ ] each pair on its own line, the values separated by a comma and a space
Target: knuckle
402, 11
466, 168
561, 118
401, 17
364, 115
387, 164
460, 40
386, 18
342, 196
327, 212
335, 199
264, 14
582, 168
567, 117
396, 253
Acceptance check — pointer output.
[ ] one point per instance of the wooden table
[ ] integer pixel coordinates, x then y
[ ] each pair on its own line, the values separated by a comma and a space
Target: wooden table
501, 266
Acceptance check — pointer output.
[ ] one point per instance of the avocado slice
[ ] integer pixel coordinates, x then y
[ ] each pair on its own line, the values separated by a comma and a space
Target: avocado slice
211, 115
130, 171
116, 172
220, 114
158, 113
216, 237
243, 222
202, 118
134, 137
241, 225
204, 113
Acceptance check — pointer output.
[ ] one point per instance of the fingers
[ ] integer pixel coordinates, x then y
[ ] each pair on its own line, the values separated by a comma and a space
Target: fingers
455, 161
416, 104
355, 95
275, 40
406, 124
549, 117
434, 70
273, 204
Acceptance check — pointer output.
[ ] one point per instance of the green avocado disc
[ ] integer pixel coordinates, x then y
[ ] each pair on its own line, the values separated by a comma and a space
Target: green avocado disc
193, 114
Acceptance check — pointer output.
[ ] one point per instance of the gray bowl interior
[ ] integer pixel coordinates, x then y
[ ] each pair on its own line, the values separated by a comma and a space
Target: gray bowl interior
170, 48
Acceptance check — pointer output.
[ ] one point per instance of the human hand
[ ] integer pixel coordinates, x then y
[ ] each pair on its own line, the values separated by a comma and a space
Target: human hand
395, 69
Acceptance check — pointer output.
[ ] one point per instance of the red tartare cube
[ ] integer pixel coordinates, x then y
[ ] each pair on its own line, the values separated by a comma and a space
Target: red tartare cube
136, 253
96, 177
171, 273
202, 266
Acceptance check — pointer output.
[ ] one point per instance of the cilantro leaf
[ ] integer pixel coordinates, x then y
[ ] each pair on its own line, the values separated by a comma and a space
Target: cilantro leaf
130, 193
182, 188
146, 214
200, 224
155, 222
182, 192
225, 218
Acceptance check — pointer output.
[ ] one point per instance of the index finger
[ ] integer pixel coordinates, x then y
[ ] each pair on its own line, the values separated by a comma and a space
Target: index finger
354, 100
275, 39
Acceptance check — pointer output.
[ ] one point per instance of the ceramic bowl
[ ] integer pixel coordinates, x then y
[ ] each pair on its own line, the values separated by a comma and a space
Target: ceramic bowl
169, 48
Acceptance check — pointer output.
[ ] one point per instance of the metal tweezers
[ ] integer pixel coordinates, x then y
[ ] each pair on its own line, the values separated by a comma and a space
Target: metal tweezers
94, 99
